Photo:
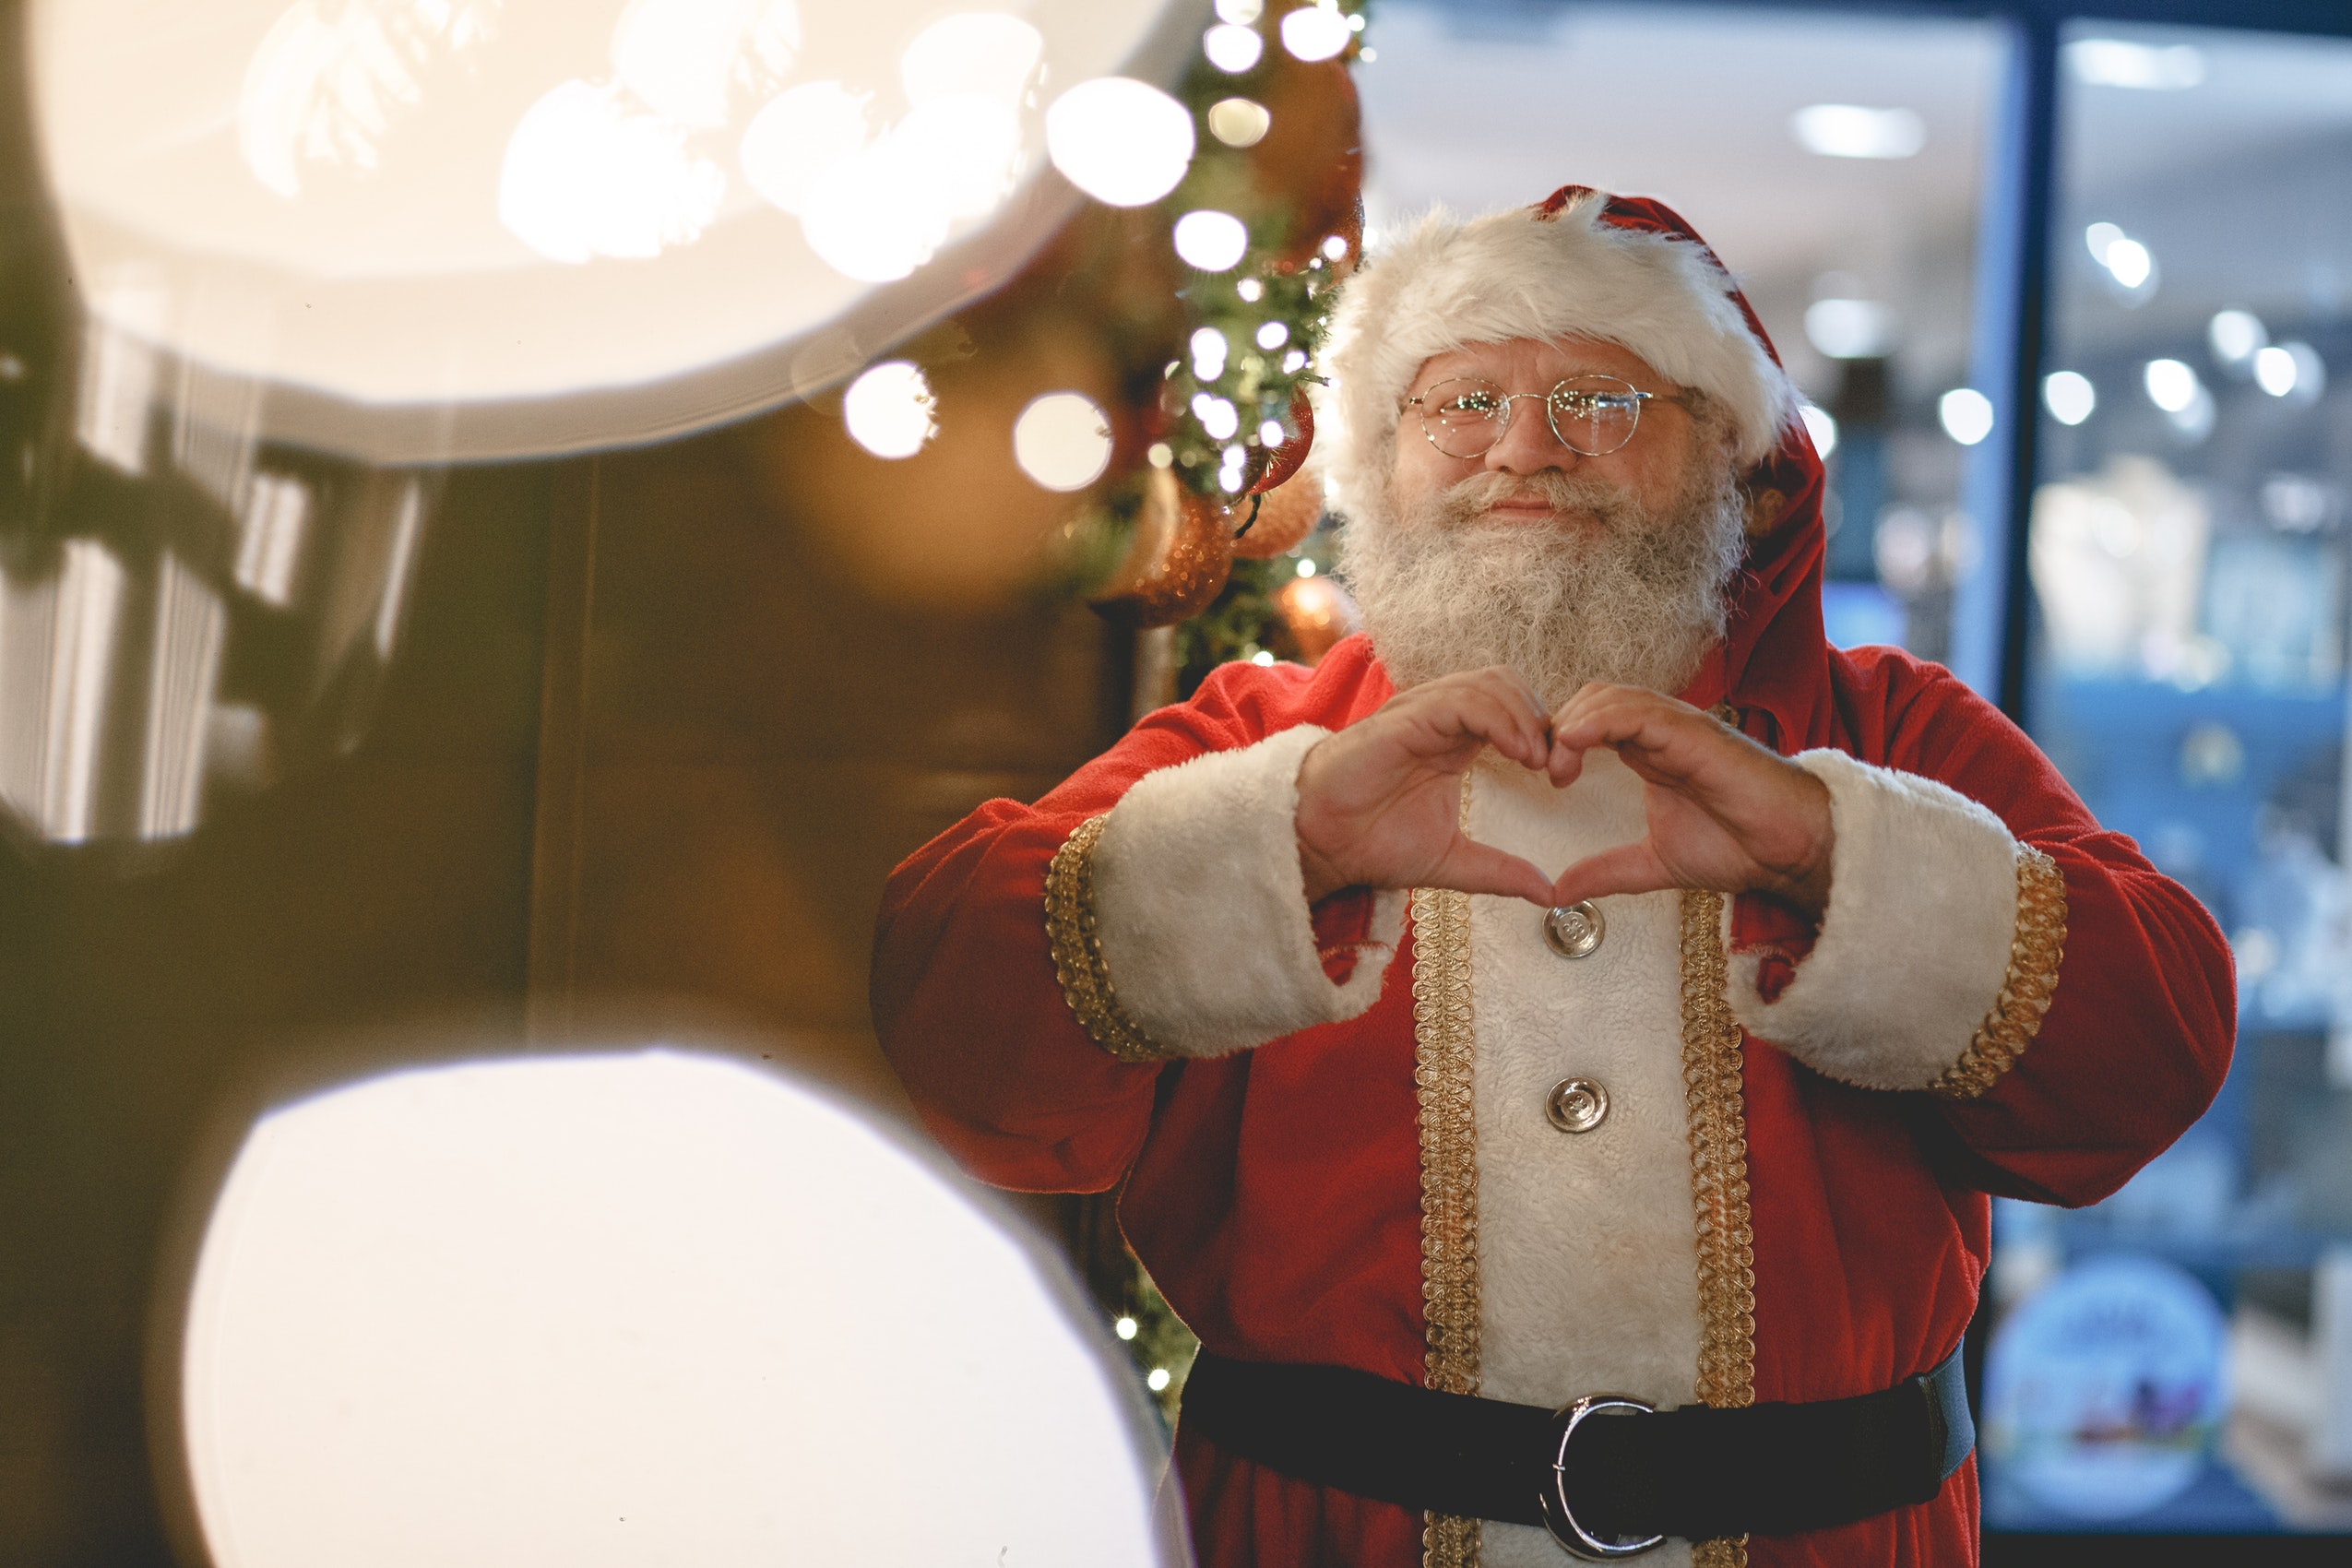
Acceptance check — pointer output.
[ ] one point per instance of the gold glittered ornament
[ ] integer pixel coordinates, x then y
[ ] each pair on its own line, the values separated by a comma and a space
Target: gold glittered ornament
1182, 551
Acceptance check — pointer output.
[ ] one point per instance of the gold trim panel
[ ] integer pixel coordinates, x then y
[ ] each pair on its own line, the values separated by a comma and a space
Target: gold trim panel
2034, 957
1078, 951
1718, 1183
1443, 1039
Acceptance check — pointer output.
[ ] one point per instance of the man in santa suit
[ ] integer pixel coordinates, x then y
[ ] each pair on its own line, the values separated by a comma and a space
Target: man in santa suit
1588, 990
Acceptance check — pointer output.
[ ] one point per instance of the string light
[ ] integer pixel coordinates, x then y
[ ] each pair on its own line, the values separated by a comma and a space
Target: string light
1211, 241
1124, 142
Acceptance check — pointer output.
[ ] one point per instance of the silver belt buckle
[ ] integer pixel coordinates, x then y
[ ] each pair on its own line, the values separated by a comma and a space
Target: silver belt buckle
1577, 1540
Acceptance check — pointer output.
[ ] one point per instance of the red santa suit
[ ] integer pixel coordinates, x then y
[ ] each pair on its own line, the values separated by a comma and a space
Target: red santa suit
1331, 1124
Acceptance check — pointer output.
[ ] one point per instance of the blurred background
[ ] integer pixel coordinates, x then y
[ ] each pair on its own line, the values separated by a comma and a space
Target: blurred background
513, 515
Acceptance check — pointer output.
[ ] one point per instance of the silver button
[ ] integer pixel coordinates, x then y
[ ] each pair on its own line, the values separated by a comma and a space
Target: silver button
1575, 931
1577, 1105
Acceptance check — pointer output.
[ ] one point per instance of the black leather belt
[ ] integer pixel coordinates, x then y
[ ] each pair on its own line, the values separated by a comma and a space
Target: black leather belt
1608, 1477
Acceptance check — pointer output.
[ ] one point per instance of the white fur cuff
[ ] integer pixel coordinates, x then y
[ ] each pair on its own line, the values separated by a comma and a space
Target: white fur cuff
1200, 904
1916, 942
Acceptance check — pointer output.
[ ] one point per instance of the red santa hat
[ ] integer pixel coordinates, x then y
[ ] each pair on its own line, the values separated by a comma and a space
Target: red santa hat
1582, 263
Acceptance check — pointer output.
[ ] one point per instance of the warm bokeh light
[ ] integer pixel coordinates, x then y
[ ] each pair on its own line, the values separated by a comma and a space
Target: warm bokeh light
1238, 122
1122, 141
801, 133
1063, 441
586, 175
888, 409
1233, 48
1316, 32
1211, 241
627, 1309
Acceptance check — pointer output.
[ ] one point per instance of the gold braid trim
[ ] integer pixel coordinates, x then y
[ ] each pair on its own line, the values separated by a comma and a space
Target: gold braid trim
1078, 951
1718, 1183
1443, 1039
2034, 955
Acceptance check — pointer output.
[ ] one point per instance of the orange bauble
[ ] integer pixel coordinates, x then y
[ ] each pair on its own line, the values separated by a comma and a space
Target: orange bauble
1182, 556
1317, 613
1286, 514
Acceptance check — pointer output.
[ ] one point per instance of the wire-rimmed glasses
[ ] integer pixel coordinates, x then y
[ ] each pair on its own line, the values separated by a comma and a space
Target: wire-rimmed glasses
1592, 415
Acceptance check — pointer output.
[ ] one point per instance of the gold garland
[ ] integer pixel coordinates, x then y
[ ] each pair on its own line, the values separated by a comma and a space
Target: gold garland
2034, 956
1078, 951
1718, 1183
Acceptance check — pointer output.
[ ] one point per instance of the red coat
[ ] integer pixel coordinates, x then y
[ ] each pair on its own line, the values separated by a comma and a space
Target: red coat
1279, 1191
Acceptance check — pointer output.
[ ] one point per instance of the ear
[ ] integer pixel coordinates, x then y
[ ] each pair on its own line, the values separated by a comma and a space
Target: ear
1765, 507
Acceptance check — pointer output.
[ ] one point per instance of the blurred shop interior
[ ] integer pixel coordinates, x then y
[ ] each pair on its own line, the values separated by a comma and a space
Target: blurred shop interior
507, 533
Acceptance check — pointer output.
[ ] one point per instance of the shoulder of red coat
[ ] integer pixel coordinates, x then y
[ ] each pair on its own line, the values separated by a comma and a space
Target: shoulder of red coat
1346, 683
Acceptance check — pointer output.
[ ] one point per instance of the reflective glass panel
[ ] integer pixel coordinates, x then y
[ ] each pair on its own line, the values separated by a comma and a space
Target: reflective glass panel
2179, 1358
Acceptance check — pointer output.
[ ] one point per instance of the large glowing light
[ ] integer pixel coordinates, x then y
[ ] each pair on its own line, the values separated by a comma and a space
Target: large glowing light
586, 175
1063, 441
888, 409
616, 1309
427, 231
1124, 142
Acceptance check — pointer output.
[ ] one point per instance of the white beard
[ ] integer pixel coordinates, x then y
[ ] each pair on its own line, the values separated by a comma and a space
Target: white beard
1618, 595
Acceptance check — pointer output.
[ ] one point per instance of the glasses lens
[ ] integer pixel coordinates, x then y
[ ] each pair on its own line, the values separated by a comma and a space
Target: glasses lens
1595, 414
1464, 417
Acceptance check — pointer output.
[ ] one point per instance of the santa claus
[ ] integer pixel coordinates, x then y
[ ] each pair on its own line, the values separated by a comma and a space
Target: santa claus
1565, 1110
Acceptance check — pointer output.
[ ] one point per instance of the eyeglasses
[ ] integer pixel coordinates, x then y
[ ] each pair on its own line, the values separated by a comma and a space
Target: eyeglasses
1592, 415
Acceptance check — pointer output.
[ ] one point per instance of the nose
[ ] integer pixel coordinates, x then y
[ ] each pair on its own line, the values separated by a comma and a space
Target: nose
1528, 445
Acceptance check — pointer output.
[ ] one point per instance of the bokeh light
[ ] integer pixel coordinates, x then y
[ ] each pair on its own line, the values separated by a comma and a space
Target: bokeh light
1238, 122
1211, 241
1124, 142
799, 135
1233, 48
2068, 396
888, 409
633, 1308
1965, 415
1316, 32
1063, 441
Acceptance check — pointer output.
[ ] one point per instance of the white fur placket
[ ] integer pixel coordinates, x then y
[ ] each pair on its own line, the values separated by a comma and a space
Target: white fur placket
1588, 1251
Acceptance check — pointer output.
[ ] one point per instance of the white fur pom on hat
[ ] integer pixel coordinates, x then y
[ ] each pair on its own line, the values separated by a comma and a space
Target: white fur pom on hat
1535, 272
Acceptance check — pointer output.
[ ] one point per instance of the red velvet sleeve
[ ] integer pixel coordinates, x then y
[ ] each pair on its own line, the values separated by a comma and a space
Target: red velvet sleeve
964, 994
2138, 1035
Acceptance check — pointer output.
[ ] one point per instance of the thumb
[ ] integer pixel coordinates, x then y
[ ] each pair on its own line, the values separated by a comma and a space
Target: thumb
1628, 867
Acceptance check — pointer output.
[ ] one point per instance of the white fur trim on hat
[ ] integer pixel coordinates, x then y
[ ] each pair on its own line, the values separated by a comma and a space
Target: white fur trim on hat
1518, 274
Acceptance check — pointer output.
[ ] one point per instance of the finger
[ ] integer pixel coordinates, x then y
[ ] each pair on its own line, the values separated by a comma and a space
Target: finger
1472, 867
1661, 740
1628, 867
1496, 715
